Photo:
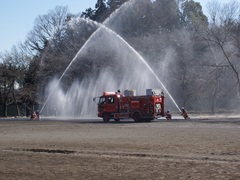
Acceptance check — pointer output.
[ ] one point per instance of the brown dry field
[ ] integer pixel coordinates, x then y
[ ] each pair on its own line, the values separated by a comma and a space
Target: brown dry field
90, 149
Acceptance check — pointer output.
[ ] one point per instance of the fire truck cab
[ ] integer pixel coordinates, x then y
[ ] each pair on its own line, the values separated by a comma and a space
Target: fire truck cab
114, 105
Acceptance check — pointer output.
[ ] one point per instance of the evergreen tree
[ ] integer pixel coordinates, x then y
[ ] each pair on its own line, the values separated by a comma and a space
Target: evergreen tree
193, 15
100, 11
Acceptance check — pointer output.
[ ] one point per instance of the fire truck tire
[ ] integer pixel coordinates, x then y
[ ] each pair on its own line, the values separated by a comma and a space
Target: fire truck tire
149, 119
106, 117
136, 117
116, 120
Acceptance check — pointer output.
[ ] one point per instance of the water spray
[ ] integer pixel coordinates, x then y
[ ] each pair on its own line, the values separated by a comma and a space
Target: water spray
143, 61
103, 26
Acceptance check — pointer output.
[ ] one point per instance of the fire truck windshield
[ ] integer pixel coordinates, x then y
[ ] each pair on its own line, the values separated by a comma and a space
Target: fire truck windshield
102, 100
110, 100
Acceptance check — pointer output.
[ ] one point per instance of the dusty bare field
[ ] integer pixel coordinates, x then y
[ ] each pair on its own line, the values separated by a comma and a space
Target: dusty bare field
90, 149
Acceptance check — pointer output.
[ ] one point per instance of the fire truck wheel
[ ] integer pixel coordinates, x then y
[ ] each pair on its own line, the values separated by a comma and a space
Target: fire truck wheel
116, 120
149, 119
136, 117
106, 117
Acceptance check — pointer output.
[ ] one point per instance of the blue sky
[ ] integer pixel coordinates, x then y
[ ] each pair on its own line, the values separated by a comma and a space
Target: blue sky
17, 16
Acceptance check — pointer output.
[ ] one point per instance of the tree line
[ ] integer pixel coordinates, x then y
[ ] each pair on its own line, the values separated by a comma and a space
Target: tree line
200, 52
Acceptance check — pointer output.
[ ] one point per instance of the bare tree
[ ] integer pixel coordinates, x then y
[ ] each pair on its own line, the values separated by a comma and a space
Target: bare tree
48, 28
220, 36
11, 78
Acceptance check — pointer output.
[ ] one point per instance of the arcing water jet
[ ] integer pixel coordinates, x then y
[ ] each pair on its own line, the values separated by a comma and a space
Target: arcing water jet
102, 28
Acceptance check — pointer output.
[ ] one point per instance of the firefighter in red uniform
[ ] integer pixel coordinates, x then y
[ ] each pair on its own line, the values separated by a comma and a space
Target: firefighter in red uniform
33, 116
184, 113
168, 115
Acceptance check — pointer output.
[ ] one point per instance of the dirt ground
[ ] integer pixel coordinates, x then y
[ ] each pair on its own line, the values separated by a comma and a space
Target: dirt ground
91, 149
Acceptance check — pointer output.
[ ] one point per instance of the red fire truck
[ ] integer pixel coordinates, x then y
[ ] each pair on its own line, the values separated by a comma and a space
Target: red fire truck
114, 105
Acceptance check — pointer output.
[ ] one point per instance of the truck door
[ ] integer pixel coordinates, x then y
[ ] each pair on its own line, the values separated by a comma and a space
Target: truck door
108, 104
111, 104
101, 105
